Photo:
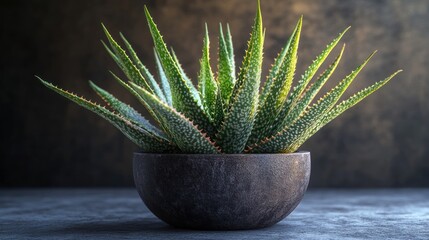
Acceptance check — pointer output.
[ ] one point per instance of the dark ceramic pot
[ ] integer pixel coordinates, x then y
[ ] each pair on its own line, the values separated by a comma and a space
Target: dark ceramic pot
221, 191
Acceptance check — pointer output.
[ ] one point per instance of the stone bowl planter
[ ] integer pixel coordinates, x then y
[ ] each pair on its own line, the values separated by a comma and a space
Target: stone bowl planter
221, 191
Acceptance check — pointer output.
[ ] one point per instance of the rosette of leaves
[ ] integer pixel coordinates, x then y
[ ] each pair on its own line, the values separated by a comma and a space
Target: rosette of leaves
226, 112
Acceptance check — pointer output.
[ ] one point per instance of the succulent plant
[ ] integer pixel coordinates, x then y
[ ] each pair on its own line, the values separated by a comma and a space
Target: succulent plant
226, 113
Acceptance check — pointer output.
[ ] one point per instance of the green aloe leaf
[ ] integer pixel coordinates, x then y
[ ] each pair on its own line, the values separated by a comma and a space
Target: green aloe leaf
226, 66
124, 62
339, 109
219, 113
137, 95
278, 89
207, 85
230, 45
309, 94
163, 79
144, 139
283, 140
143, 70
273, 73
188, 81
305, 79
184, 132
278, 62
127, 111
113, 55
239, 119
184, 100
242, 73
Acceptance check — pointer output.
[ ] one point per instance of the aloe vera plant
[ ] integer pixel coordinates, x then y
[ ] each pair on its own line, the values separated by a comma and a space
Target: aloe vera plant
226, 112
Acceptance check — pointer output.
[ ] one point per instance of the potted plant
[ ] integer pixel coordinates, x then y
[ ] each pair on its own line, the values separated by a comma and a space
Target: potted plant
224, 155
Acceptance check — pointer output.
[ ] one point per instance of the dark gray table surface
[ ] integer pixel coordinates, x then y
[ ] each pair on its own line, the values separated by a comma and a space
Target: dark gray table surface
120, 214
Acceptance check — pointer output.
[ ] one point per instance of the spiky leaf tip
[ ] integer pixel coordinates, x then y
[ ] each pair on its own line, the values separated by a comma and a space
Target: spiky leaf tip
311, 92
207, 85
124, 62
297, 91
146, 141
226, 66
339, 109
127, 111
239, 118
143, 70
183, 97
278, 89
282, 140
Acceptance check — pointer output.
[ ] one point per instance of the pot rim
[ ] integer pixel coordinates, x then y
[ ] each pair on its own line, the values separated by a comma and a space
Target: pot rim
299, 153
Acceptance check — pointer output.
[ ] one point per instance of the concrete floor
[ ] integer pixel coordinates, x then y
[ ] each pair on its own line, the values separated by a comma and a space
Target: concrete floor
120, 214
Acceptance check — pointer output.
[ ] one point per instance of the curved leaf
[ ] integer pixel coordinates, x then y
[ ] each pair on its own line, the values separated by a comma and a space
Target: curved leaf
183, 131
144, 139
339, 109
283, 140
143, 70
308, 95
124, 62
278, 62
305, 79
127, 111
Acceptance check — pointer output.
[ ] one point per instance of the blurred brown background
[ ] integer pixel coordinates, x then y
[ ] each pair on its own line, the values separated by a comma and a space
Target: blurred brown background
49, 141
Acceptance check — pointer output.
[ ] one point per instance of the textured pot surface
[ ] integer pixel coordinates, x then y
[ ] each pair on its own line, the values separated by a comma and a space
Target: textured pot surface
221, 191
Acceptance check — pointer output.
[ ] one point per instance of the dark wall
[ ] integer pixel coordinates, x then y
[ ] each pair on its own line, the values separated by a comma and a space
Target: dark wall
49, 141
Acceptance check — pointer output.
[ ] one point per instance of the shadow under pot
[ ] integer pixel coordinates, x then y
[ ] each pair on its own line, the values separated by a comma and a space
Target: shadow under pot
221, 191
